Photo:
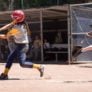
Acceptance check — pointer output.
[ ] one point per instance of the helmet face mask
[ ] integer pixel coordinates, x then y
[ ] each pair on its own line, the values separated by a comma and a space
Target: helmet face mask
18, 15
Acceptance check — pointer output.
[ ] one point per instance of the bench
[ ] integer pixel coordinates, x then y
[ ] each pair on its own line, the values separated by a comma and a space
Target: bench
56, 54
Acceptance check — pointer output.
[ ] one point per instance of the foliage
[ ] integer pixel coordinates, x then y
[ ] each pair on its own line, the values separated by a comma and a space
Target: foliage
18, 4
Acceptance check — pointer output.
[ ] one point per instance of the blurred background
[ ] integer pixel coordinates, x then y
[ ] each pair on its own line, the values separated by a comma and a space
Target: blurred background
26, 4
49, 25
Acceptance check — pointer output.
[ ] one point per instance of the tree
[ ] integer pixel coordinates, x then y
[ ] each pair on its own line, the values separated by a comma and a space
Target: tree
25, 4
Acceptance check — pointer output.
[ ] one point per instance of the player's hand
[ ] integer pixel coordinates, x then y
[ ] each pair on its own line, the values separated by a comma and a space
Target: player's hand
14, 21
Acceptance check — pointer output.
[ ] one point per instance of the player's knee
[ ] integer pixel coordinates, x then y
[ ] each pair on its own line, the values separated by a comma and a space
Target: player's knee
26, 65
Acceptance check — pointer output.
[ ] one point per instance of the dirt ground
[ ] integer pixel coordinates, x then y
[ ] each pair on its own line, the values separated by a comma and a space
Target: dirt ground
57, 78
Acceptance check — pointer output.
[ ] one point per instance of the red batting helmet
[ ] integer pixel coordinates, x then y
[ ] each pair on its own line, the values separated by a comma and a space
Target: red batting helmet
18, 15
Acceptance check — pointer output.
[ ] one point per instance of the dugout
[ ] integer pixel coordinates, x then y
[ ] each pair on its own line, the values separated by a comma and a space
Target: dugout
48, 23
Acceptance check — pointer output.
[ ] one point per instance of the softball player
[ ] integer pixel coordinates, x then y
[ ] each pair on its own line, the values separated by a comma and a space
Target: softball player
79, 49
19, 33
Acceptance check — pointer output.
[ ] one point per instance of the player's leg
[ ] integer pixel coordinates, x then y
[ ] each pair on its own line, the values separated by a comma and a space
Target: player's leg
28, 64
88, 48
79, 50
9, 62
76, 51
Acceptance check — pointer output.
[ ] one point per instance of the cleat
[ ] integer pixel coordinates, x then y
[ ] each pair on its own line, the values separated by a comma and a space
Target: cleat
3, 76
77, 51
41, 70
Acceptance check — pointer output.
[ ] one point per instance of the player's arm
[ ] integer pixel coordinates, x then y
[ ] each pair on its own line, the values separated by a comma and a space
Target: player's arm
3, 36
7, 26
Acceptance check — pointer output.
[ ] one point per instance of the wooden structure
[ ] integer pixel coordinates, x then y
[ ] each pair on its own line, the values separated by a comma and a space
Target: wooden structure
41, 15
